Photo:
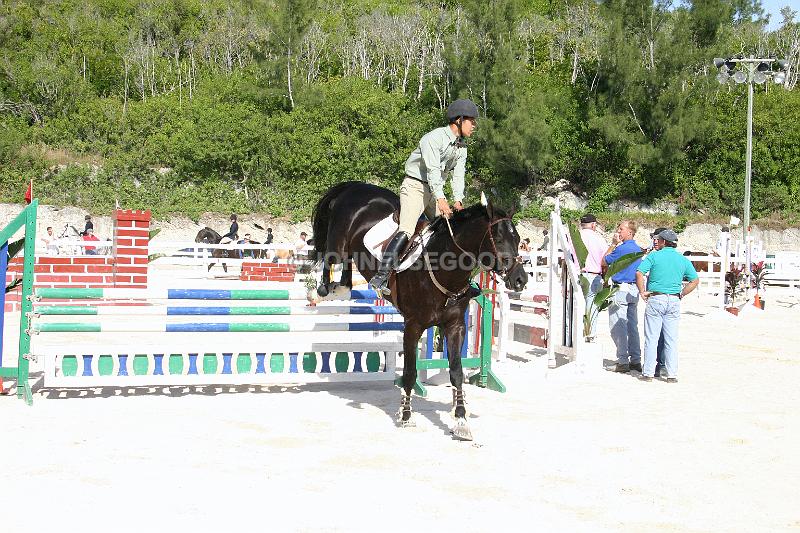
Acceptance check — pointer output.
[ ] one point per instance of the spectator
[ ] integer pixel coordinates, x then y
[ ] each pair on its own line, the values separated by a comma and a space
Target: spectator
269, 238
49, 242
89, 224
245, 240
657, 245
89, 235
525, 245
546, 241
663, 295
592, 270
622, 318
233, 234
723, 241
300, 245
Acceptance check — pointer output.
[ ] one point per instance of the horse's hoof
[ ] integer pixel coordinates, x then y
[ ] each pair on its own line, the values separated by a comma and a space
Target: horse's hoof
407, 423
322, 290
461, 430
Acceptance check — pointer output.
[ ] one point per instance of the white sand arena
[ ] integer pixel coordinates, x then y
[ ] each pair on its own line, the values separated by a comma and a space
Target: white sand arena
717, 451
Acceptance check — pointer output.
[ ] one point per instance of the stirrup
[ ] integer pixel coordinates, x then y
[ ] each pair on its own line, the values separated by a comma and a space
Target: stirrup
380, 284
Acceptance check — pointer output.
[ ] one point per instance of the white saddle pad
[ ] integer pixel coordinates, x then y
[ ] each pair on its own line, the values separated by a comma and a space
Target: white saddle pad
383, 231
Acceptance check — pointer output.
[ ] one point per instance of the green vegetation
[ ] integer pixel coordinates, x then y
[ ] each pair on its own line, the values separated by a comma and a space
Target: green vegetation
259, 105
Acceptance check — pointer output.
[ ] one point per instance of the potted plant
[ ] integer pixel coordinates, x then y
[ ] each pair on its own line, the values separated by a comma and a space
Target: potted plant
758, 272
734, 287
604, 297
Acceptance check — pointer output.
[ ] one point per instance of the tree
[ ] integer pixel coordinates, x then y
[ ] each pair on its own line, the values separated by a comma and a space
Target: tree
292, 20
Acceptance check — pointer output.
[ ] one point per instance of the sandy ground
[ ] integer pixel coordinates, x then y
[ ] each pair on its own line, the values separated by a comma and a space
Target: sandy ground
561, 450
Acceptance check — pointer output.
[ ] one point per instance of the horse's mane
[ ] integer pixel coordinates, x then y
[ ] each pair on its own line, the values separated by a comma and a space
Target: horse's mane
466, 215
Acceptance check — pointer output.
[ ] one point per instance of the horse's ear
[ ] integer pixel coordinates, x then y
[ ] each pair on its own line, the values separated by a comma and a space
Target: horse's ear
488, 205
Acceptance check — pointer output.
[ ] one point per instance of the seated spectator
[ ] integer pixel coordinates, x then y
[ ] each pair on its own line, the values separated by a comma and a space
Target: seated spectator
525, 245
49, 242
89, 235
89, 224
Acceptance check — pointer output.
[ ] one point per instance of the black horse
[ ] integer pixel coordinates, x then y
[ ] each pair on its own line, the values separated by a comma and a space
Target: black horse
209, 236
432, 292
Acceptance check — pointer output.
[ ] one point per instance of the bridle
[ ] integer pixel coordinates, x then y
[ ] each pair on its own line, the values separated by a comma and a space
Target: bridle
505, 270
453, 296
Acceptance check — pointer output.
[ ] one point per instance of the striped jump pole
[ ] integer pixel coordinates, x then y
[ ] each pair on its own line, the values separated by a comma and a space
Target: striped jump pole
143, 326
163, 310
186, 294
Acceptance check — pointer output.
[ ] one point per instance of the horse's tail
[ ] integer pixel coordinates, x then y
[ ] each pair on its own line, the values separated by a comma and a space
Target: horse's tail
320, 219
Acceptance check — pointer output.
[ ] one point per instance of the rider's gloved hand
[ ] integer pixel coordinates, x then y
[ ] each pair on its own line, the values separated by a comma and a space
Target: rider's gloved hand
443, 207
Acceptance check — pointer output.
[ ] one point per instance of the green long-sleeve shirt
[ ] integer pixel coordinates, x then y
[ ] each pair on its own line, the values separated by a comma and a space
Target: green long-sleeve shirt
438, 153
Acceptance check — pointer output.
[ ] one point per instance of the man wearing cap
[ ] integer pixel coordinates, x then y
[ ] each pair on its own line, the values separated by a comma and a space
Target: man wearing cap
596, 246
657, 245
667, 269
622, 318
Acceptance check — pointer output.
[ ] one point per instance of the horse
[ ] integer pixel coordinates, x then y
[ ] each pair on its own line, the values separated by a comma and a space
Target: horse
209, 236
425, 296
703, 266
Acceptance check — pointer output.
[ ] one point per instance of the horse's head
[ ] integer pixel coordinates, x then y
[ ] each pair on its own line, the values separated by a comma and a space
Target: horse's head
208, 236
499, 248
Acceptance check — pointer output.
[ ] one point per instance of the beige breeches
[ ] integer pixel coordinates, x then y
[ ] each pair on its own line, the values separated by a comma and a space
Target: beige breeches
415, 198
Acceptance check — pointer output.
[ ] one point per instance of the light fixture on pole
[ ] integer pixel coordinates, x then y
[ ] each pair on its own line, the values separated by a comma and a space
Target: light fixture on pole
749, 70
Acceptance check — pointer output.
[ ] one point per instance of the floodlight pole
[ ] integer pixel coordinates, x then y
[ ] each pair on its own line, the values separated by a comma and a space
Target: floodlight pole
748, 173
755, 70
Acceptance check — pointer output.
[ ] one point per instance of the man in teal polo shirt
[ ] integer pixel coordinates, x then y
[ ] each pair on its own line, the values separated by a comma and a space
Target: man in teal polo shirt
663, 295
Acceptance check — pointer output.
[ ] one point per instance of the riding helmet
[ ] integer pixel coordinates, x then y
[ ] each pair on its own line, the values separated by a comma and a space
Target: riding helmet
462, 107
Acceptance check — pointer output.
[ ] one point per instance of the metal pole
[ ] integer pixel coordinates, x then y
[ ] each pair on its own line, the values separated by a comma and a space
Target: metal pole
748, 173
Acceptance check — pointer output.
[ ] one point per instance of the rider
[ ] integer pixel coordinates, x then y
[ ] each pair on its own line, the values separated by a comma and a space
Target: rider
439, 152
233, 234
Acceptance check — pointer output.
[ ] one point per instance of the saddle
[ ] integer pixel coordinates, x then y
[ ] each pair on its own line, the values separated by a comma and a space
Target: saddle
378, 237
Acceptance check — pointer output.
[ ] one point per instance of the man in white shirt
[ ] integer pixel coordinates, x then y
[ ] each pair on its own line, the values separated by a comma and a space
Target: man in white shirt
49, 242
592, 271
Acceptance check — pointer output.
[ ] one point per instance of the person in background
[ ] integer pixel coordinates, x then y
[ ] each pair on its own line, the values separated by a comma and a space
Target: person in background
657, 245
245, 240
300, 245
89, 236
49, 242
525, 245
546, 241
89, 224
270, 237
233, 234
668, 269
622, 318
722, 241
596, 247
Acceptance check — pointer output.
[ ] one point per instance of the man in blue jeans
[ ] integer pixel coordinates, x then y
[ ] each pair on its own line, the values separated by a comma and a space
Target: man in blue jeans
667, 269
622, 319
657, 245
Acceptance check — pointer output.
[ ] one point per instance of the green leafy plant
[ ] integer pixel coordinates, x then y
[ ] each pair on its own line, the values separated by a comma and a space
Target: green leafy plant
759, 273
735, 281
605, 295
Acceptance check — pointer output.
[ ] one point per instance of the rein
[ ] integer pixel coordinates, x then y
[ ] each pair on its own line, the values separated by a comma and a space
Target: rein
452, 296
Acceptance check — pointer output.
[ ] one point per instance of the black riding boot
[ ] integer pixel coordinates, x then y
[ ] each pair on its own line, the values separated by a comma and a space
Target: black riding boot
380, 281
